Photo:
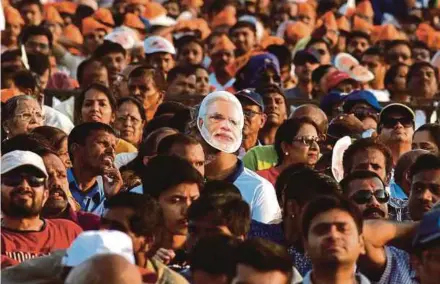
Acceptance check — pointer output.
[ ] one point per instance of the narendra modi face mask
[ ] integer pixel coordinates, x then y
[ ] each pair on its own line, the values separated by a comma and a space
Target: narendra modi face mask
220, 121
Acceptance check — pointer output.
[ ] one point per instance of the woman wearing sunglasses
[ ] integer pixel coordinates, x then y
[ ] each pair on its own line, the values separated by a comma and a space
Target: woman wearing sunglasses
296, 142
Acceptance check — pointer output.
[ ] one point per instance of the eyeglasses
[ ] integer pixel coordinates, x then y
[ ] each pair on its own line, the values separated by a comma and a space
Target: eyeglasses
27, 116
364, 196
308, 141
390, 122
16, 180
250, 113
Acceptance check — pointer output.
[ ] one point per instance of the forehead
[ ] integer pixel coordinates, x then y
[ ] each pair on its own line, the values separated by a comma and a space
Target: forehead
101, 134
221, 106
366, 183
38, 38
94, 94
400, 47
332, 216
193, 150
183, 189
128, 106
145, 79
424, 69
242, 30
113, 55
427, 176
201, 73
52, 161
369, 154
370, 57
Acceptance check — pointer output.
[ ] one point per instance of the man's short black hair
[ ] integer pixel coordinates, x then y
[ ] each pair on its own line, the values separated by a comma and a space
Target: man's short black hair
314, 40
30, 2
83, 65
243, 24
185, 71
29, 31
360, 34
420, 44
265, 256
147, 219
214, 255
356, 175
363, 145
234, 213
38, 63
397, 42
305, 184
108, 47
169, 107
374, 51
319, 72
10, 55
156, 76
221, 188
25, 79
187, 39
81, 132
425, 162
25, 142
165, 172
168, 142
282, 52
324, 204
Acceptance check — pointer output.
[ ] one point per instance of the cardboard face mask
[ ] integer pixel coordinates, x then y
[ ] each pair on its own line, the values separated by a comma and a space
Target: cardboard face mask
220, 121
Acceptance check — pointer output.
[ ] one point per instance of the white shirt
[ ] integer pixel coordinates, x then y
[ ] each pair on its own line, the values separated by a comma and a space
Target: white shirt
56, 119
219, 87
67, 107
260, 195
123, 159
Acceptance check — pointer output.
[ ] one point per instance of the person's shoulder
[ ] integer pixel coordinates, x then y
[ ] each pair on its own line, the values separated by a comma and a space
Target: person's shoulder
63, 225
254, 179
166, 274
125, 147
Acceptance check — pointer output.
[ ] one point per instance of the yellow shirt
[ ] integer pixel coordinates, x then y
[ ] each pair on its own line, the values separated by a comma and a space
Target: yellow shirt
124, 147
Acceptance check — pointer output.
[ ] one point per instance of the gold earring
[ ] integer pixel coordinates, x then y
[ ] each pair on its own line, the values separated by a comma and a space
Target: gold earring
287, 153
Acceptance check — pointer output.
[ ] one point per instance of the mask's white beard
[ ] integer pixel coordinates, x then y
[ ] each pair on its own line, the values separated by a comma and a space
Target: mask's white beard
222, 146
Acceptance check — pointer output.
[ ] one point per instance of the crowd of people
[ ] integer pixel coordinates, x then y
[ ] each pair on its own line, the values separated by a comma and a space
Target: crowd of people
233, 141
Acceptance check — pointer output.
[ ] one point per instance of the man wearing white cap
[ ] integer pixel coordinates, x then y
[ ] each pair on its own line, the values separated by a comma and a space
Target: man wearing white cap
220, 123
159, 52
24, 233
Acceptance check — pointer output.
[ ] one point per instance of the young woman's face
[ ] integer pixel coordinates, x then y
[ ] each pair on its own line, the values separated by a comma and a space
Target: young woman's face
96, 108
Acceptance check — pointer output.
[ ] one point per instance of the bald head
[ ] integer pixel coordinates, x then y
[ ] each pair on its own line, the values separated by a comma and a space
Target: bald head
106, 268
314, 113
403, 165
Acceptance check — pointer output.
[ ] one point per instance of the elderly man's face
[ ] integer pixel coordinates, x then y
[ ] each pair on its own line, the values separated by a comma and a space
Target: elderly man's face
222, 125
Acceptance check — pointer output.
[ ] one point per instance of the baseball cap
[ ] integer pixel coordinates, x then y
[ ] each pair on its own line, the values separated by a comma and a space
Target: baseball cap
328, 101
16, 159
155, 44
337, 77
251, 95
91, 243
429, 229
361, 96
306, 55
396, 107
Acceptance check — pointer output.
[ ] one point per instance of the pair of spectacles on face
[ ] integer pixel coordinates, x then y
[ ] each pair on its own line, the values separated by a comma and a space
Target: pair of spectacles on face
307, 141
16, 180
27, 116
364, 196
250, 113
391, 122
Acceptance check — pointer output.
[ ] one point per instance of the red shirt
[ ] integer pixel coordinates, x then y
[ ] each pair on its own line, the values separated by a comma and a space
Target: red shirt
54, 235
270, 174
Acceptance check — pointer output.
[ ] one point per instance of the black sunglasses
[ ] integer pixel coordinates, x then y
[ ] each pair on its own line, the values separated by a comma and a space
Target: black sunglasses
364, 196
16, 180
389, 122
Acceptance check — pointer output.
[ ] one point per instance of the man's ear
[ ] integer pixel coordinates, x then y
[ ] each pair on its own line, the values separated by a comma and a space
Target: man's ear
362, 244
263, 120
45, 195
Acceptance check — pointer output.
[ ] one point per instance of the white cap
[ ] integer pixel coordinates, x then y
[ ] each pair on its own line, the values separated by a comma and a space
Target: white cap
162, 20
15, 159
91, 243
125, 36
345, 62
154, 44
254, 21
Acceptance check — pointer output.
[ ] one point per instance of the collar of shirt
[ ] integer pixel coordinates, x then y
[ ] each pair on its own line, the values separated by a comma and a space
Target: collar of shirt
89, 200
360, 279
397, 192
236, 173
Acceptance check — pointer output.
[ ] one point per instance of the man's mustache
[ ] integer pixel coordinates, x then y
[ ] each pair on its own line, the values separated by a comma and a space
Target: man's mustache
372, 210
